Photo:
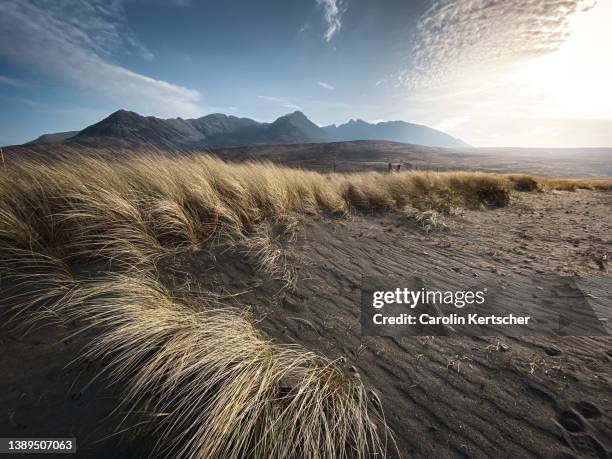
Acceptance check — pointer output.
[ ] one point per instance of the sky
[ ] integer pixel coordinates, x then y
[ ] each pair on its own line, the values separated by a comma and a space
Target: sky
530, 73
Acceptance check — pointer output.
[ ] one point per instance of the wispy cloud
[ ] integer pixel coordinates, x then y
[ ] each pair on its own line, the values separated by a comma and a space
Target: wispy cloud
455, 34
332, 13
281, 101
20, 100
10, 81
325, 85
74, 41
511, 72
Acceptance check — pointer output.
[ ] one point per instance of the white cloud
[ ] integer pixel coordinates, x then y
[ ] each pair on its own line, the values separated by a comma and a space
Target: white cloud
325, 85
512, 73
20, 100
332, 12
281, 101
10, 81
73, 41
454, 35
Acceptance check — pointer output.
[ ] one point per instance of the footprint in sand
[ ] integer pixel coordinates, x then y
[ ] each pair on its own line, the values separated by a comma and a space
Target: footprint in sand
571, 422
575, 425
588, 410
589, 446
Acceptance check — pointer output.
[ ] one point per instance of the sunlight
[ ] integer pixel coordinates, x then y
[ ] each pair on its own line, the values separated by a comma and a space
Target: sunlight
574, 82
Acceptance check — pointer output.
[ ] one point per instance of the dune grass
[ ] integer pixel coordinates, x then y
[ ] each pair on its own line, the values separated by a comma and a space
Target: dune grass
129, 210
524, 182
213, 385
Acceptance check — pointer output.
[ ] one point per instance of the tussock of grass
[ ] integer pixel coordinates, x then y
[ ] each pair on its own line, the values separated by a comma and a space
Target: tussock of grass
270, 254
131, 209
210, 384
575, 184
524, 182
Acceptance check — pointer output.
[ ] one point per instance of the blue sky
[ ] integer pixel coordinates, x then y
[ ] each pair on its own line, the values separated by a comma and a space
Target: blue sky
478, 69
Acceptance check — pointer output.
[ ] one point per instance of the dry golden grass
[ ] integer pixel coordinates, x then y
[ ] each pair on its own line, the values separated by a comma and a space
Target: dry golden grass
211, 383
524, 182
271, 255
131, 209
428, 220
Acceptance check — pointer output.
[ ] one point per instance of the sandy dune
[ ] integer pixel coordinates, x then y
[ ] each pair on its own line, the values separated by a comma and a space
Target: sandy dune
443, 396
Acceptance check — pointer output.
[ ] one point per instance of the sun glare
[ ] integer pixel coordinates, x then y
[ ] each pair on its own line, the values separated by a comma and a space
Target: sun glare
574, 81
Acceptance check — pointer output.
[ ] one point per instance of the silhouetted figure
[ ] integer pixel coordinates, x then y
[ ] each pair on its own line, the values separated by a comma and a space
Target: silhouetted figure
390, 168
398, 167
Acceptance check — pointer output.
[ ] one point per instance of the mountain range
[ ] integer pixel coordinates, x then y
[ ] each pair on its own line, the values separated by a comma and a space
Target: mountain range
396, 131
128, 128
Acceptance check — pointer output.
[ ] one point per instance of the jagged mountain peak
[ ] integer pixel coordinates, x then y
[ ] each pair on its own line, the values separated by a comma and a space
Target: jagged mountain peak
125, 127
215, 129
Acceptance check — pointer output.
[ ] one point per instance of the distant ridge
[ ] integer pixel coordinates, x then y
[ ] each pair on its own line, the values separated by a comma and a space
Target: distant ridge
213, 130
395, 131
56, 137
129, 129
